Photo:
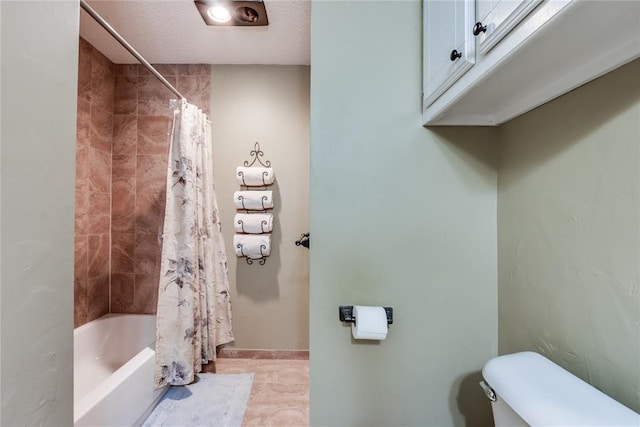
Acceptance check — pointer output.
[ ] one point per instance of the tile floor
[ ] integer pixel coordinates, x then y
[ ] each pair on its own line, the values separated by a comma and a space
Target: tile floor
280, 393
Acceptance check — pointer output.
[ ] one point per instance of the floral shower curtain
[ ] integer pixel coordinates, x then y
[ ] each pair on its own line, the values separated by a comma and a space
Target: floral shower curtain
194, 309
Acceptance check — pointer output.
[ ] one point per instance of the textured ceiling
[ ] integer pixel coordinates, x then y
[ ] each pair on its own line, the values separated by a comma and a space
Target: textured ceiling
173, 32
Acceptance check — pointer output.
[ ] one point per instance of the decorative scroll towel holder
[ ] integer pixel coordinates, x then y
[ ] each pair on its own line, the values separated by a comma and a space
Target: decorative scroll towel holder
263, 223
256, 153
261, 261
262, 200
255, 156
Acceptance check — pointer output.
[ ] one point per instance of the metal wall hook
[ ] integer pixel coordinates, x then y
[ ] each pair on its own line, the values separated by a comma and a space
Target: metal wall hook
304, 241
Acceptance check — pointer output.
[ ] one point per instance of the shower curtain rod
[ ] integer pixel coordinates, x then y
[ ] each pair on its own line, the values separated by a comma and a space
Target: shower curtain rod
100, 20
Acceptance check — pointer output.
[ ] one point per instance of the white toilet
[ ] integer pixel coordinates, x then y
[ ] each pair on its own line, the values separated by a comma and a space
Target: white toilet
527, 389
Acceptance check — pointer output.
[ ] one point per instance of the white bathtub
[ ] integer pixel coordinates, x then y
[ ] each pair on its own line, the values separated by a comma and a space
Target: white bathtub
113, 371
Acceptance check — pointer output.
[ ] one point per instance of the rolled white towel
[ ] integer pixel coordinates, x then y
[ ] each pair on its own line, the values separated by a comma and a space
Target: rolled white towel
254, 246
254, 223
253, 200
254, 176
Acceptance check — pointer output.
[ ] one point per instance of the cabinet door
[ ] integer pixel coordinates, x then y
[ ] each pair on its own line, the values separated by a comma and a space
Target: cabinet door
449, 48
497, 17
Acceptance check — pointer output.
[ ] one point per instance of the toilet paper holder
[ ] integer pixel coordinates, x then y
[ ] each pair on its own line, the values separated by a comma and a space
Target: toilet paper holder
346, 314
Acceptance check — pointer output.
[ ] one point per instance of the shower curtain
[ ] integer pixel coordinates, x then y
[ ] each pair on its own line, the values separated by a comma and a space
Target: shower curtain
194, 309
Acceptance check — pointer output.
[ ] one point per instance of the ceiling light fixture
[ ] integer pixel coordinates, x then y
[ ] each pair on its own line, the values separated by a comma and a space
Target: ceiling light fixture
219, 13
242, 13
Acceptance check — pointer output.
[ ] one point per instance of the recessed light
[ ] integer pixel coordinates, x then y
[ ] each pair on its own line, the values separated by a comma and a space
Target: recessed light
219, 13
243, 13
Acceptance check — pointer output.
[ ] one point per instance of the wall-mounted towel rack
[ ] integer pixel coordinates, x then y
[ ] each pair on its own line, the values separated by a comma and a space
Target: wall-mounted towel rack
254, 177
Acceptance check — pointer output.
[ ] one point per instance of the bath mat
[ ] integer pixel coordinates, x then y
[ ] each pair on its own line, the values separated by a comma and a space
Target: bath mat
216, 400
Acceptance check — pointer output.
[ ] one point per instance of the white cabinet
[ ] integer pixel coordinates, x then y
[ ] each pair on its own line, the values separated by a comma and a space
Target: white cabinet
531, 53
449, 47
452, 34
495, 18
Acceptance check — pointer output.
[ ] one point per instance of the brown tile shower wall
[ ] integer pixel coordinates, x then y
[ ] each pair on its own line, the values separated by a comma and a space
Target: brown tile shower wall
122, 144
93, 184
141, 126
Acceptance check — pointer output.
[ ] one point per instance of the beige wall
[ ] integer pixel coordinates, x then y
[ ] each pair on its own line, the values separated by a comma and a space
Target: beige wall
569, 233
270, 105
401, 216
39, 71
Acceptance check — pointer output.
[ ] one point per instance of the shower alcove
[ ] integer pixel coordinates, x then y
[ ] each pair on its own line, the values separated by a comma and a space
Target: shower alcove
122, 142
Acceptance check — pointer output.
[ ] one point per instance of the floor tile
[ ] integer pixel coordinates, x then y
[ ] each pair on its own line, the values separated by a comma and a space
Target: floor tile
280, 393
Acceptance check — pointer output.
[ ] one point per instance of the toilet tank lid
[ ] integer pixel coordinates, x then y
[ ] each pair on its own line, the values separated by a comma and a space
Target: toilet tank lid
544, 394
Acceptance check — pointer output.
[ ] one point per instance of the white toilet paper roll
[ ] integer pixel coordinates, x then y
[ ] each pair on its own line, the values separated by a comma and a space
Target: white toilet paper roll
370, 324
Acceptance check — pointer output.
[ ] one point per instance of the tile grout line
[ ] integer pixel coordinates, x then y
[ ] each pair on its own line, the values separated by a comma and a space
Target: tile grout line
110, 265
135, 189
